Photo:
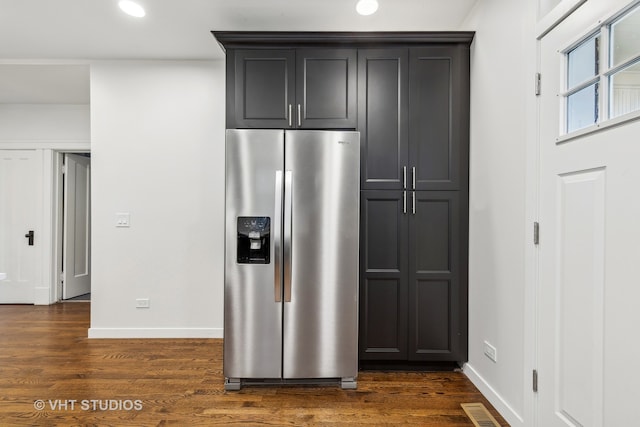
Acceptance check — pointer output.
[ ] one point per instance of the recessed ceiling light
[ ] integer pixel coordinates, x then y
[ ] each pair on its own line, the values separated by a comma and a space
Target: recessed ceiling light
132, 8
367, 7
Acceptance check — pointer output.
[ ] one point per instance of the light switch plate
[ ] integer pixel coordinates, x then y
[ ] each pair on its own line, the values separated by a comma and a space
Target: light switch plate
123, 219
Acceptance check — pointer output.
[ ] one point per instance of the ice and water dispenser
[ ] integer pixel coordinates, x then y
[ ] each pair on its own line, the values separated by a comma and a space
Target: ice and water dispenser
254, 238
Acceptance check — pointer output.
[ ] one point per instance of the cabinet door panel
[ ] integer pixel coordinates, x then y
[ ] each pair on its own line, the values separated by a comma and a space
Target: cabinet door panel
433, 231
382, 317
264, 84
433, 320
437, 306
383, 103
433, 142
326, 88
383, 276
439, 108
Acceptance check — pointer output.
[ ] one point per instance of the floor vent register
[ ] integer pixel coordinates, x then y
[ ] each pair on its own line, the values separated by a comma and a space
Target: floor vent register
479, 415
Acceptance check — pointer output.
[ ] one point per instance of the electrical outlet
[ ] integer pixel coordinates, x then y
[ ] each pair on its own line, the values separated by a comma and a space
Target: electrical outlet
143, 303
490, 351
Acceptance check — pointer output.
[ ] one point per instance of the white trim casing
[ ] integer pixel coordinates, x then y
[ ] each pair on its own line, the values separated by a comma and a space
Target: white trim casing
556, 16
46, 145
46, 294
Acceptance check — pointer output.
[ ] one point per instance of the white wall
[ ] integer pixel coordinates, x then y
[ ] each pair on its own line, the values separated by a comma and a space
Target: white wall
44, 123
500, 85
157, 132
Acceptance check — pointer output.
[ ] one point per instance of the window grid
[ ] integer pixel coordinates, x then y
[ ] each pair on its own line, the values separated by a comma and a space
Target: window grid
605, 73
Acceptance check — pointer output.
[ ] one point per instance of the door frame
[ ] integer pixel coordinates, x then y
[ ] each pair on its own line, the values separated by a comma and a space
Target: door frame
57, 207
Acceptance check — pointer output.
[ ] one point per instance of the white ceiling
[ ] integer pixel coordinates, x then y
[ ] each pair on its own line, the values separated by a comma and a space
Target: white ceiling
40, 30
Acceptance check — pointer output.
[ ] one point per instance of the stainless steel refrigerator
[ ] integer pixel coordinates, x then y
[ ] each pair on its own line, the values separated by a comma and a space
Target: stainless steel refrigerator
291, 257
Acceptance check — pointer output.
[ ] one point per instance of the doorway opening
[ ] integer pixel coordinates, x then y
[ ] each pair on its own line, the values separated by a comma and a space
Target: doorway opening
73, 237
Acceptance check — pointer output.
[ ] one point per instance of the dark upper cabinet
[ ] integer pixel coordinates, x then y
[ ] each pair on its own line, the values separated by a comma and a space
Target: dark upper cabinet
260, 84
292, 88
383, 76
326, 88
438, 116
413, 117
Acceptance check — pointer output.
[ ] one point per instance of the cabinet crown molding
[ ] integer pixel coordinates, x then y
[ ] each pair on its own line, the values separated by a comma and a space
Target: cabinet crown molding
235, 39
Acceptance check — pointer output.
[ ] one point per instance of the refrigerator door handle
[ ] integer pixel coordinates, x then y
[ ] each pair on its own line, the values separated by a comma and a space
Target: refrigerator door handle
277, 240
288, 184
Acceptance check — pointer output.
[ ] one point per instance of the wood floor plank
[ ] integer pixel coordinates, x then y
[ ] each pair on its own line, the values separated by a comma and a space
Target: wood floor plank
46, 359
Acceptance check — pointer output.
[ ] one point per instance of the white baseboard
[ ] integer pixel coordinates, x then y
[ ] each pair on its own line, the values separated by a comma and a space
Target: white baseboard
498, 402
155, 332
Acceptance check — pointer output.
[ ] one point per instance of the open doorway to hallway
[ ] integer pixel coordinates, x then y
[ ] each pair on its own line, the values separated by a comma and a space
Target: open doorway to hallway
73, 242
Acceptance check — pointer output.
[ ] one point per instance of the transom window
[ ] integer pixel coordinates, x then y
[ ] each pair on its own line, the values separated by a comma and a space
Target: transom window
603, 73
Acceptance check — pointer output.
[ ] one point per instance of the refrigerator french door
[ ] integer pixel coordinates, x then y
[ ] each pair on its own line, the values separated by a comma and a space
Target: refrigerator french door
291, 256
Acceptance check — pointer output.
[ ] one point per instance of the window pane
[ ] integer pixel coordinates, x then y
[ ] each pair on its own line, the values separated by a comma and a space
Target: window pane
583, 62
625, 91
582, 108
625, 37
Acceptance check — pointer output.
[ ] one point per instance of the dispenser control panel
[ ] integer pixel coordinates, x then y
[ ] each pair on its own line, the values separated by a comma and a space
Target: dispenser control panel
254, 239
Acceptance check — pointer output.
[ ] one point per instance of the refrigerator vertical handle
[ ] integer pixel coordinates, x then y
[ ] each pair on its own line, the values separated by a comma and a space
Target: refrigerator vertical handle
299, 116
290, 116
277, 240
288, 184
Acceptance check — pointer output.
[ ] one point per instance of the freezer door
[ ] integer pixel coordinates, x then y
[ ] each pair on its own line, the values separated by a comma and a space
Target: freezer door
253, 261
322, 175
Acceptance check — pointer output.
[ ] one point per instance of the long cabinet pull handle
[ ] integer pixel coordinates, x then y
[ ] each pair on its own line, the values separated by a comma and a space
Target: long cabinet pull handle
288, 250
277, 239
404, 201
413, 178
413, 204
290, 116
299, 115
404, 178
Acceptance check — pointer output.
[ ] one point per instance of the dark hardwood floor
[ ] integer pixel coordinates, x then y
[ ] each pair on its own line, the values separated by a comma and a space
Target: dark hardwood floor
52, 374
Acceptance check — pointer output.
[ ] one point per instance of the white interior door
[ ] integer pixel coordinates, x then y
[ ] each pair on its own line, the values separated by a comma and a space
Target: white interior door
589, 256
20, 212
77, 227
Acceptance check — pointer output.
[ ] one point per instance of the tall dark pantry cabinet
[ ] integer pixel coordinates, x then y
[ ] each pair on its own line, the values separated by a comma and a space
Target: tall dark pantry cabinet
408, 96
